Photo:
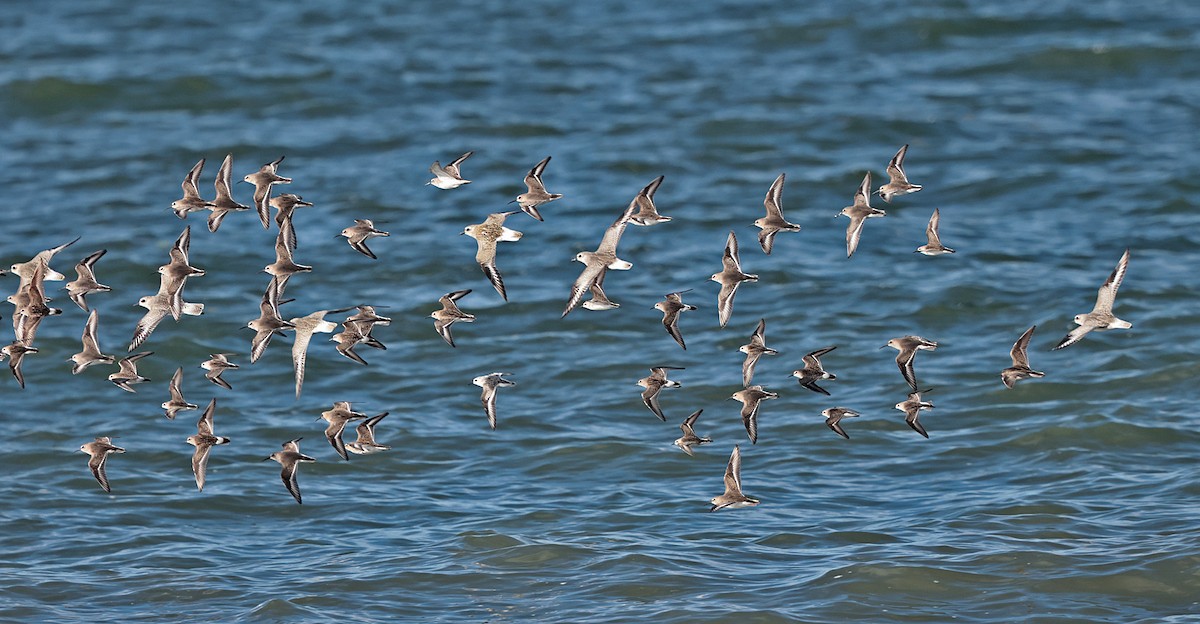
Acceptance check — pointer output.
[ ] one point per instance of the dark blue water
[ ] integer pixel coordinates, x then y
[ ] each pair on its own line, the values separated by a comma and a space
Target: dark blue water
1051, 135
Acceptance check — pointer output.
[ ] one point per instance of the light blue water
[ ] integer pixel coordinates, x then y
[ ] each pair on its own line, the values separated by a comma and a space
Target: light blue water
1052, 136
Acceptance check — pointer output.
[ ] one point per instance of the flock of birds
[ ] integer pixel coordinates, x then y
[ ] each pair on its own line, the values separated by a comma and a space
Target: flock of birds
31, 307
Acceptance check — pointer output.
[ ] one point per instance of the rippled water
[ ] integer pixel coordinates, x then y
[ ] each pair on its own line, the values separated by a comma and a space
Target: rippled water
1052, 136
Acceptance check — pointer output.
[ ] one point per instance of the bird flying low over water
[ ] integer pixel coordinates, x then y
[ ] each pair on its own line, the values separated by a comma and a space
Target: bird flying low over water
450, 314
1020, 361
730, 277
486, 235
898, 183
774, 222
290, 458
490, 383
908, 347
733, 498
98, 452
858, 213
1101, 317
672, 307
596, 262
448, 177
654, 384
689, 437
833, 417
263, 179
812, 372
536, 195
647, 213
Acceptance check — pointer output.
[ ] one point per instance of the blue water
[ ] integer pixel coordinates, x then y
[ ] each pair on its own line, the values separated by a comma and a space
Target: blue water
1051, 135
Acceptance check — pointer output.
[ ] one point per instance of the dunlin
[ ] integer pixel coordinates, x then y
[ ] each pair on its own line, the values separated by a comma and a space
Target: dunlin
15, 352
217, 364
490, 383
912, 408
285, 206
359, 233
204, 440
176, 403
86, 283
858, 213
599, 300
536, 195
689, 437
672, 307
305, 327
290, 458
448, 177
486, 235
24, 270
934, 246
91, 347
157, 306
730, 277
366, 444
223, 203
597, 262
128, 374
813, 371
268, 323
733, 497
285, 265
174, 274
1101, 317
908, 347
834, 415
647, 213
337, 417
450, 314
756, 348
774, 222
1020, 361
98, 452
654, 384
263, 179
752, 399
191, 201
898, 183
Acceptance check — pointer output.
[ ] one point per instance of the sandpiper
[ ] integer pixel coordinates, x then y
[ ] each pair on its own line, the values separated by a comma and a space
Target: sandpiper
157, 306
1020, 361
813, 371
223, 203
366, 444
912, 408
176, 403
448, 177
834, 415
91, 347
536, 195
24, 270
490, 383
217, 364
908, 347
86, 283
733, 497
358, 234
689, 437
599, 300
654, 384
285, 265
305, 327
174, 274
98, 452
898, 183
647, 213
285, 206
752, 399
1101, 317
337, 417
858, 213
597, 262
262, 180
128, 374
730, 277
204, 440
450, 314
671, 307
191, 201
268, 322
486, 235
774, 222
756, 348
15, 352
934, 246
290, 458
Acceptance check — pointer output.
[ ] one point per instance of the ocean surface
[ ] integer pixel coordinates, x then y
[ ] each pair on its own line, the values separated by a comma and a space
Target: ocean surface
1051, 135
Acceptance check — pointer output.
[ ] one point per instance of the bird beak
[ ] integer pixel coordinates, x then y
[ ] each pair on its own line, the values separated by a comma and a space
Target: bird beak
883, 347
266, 459
512, 202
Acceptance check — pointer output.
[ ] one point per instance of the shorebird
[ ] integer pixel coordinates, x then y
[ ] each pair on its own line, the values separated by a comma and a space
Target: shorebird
217, 364
305, 327
204, 440
774, 222
730, 277
176, 403
285, 265
448, 177
351, 336
174, 274
337, 417
223, 203
285, 206
268, 322
490, 383
450, 314
157, 307
262, 180
486, 235
1020, 361
858, 213
358, 234
599, 300
366, 444
1101, 317
934, 246
91, 347
898, 183
813, 371
128, 374
290, 458
733, 497
30, 302
191, 201
752, 399
912, 408
654, 384
15, 352
647, 213
908, 347
672, 307
835, 414
25, 270
86, 283
597, 262
536, 195
98, 452
756, 348
689, 437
